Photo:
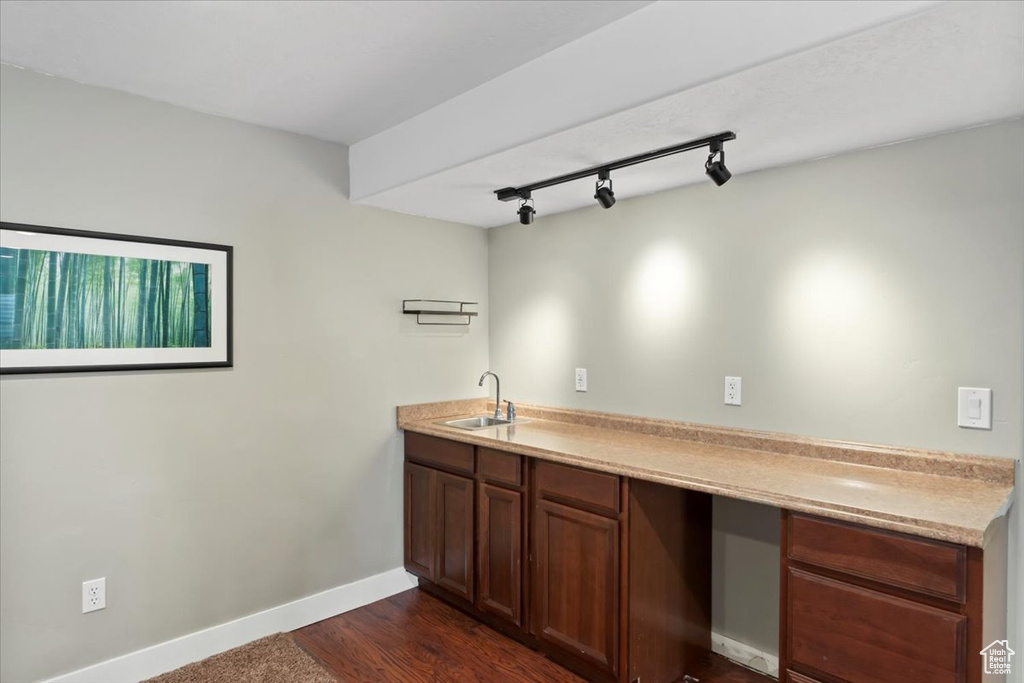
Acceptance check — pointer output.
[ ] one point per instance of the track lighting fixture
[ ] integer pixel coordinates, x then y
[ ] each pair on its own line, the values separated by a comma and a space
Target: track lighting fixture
716, 170
526, 211
603, 193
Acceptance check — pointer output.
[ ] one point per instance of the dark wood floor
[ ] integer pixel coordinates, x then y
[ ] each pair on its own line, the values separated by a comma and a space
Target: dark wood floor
413, 636
721, 670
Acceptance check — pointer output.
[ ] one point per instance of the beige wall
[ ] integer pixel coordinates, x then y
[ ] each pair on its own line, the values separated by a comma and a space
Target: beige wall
203, 496
852, 295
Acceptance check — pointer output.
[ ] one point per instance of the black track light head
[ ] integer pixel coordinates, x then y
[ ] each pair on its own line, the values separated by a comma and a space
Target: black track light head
526, 212
605, 197
719, 173
716, 170
604, 194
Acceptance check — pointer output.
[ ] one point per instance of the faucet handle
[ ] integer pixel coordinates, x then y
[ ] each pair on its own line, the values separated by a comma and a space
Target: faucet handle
511, 414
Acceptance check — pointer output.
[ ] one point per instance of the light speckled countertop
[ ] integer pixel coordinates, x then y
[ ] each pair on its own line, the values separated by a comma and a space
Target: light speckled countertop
946, 496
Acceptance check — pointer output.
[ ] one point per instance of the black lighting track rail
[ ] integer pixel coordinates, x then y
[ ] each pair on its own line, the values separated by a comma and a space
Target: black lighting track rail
712, 142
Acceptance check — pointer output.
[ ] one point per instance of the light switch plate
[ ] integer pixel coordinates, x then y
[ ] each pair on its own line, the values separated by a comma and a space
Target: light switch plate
974, 408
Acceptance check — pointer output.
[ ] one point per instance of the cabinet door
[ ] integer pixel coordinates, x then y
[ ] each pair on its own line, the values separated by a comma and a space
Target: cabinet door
420, 521
575, 583
455, 534
499, 561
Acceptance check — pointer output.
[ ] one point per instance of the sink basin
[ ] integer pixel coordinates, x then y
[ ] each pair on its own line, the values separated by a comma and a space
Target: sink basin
476, 423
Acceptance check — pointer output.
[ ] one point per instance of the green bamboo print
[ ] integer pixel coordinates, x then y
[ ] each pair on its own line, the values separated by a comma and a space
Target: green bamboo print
60, 300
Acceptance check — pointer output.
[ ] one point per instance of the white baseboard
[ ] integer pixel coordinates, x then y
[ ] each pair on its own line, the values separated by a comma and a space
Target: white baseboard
744, 654
158, 659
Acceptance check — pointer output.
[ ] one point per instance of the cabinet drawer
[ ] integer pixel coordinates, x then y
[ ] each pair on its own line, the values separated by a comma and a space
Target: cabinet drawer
856, 634
918, 564
441, 453
582, 488
500, 468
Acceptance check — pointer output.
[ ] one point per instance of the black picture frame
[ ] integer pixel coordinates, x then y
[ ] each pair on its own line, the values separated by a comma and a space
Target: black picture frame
211, 313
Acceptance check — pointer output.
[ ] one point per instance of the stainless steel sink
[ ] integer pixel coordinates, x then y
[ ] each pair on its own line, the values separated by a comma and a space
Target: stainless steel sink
476, 423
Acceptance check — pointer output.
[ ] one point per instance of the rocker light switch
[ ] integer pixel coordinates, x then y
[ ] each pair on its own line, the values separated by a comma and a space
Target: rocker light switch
974, 408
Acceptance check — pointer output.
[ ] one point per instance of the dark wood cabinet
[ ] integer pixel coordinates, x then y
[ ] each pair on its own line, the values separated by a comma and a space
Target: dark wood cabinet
441, 454
610, 577
499, 552
420, 521
439, 514
861, 604
576, 583
669, 546
455, 531
858, 634
621, 574
917, 564
503, 469
579, 488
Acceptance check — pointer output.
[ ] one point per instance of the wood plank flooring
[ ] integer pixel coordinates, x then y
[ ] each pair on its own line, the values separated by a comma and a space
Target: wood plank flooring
415, 637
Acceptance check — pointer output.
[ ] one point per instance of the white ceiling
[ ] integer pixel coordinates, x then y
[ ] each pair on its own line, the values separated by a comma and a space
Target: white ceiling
339, 71
661, 50
955, 65
443, 102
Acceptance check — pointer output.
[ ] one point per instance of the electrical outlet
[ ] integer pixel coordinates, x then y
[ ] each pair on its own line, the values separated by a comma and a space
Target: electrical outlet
581, 379
94, 595
733, 391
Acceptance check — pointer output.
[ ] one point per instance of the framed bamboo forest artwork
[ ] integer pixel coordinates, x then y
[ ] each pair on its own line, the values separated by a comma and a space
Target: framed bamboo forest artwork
73, 301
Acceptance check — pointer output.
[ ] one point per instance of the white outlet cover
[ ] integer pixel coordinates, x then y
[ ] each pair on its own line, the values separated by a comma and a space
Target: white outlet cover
974, 408
94, 595
581, 379
733, 391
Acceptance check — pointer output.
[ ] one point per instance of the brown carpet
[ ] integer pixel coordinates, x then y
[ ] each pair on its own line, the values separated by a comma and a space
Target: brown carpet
274, 659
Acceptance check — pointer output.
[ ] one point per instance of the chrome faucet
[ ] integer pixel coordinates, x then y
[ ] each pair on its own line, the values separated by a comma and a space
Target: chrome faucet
497, 389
